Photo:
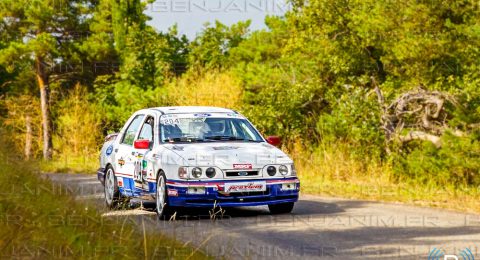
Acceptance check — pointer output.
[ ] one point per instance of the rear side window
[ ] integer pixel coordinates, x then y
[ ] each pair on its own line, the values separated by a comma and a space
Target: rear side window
132, 130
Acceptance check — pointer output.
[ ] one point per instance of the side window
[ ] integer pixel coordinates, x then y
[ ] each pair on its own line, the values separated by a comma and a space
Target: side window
132, 129
147, 130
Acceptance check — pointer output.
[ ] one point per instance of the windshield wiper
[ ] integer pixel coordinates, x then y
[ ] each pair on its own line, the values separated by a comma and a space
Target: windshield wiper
228, 138
169, 140
184, 139
222, 137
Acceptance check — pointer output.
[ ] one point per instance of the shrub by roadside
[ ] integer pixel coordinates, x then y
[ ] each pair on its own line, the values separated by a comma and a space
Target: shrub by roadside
332, 170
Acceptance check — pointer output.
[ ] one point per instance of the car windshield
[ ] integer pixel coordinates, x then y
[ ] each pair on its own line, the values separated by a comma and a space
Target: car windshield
206, 128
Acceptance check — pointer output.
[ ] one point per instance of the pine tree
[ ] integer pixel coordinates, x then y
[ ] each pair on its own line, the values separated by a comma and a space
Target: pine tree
43, 33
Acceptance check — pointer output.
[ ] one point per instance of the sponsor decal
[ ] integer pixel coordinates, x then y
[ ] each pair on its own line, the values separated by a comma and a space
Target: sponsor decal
245, 187
225, 148
177, 148
202, 115
137, 175
109, 150
246, 166
121, 162
170, 121
172, 192
120, 181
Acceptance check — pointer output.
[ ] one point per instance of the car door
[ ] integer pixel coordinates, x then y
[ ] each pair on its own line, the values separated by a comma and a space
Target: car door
146, 133
125, 158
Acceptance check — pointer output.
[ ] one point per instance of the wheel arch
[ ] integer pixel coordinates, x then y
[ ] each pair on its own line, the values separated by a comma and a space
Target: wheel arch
158, 174
109, 165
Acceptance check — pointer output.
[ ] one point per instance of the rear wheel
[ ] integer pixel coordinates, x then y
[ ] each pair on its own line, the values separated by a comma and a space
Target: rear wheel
112, 193
281, 208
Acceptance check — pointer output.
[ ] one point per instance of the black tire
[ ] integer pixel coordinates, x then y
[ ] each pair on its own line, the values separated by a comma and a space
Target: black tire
112, 200
281, 208
161, 204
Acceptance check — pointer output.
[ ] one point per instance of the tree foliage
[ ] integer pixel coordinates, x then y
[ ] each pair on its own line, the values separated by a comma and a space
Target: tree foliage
309, 77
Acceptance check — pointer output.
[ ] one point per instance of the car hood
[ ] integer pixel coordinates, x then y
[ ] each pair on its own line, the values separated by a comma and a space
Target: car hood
227, 154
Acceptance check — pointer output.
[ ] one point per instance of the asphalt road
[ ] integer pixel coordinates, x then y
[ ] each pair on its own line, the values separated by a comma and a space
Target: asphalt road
319, 227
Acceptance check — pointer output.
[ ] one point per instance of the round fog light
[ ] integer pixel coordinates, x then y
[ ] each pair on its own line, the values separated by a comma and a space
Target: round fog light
210, 172
283, 170
196, 172
271, 170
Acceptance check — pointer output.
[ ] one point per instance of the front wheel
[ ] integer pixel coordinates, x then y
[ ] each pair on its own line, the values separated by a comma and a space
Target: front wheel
281, 208
161, 196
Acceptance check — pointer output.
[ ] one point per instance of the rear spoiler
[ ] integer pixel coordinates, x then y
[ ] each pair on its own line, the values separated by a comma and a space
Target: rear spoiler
111, 137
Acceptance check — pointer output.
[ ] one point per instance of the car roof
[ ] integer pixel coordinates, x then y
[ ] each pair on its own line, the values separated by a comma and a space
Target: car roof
192, 109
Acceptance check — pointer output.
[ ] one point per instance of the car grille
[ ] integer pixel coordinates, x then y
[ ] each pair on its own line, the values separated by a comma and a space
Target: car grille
246, 193
239, 173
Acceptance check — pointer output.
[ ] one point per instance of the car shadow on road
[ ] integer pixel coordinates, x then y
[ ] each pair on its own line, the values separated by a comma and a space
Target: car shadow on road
313, 207
324, 229
302, 208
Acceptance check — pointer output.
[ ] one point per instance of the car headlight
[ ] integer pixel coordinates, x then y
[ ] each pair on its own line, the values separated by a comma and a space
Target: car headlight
196, 172
271, 170
283, 170
210, 172
182, 172
294, 171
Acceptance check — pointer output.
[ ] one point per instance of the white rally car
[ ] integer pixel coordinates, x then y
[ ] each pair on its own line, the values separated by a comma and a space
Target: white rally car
196, 157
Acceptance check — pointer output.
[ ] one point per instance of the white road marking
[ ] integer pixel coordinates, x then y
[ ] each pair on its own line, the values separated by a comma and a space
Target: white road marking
131, 212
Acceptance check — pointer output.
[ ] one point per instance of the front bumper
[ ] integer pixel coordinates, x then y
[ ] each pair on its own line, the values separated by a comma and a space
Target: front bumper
179, 196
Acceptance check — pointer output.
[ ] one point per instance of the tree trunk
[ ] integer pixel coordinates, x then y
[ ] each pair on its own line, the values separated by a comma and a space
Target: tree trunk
42, 79
28, 137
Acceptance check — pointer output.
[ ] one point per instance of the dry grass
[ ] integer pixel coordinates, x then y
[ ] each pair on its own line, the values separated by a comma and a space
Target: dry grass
77, 136
78, 125
40, 220
330, 171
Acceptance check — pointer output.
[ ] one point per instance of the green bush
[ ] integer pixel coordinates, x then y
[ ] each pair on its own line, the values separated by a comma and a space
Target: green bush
354, 119
457, 162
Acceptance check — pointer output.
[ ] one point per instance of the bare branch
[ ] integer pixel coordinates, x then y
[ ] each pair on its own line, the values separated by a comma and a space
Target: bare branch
421, 112
419, 135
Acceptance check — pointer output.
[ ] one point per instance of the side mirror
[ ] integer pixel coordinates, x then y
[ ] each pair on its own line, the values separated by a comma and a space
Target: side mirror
142, 144
274, 140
